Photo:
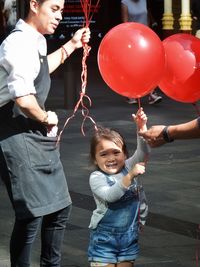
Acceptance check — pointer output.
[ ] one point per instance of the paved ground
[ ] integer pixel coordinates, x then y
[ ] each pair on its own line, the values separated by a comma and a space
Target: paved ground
172, 180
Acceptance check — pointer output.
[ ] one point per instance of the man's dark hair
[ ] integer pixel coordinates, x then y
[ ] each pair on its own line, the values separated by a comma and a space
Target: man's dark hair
27, 7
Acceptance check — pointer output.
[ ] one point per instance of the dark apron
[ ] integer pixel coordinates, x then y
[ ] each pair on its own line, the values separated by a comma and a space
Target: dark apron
30, 162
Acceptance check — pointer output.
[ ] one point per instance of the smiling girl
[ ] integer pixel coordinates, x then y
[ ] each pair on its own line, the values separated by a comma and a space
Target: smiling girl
120, 199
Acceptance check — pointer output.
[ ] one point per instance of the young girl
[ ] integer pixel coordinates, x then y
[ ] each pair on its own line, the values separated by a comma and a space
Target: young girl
120, 199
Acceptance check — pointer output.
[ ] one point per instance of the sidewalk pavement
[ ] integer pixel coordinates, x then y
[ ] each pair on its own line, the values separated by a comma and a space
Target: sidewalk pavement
171, 181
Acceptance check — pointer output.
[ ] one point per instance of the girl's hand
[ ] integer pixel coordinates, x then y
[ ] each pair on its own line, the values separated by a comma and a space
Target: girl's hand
140, 119
138, 169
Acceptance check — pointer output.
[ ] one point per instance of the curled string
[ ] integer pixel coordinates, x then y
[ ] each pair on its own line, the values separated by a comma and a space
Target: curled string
86, 51
86, 6
83, 96
85, 110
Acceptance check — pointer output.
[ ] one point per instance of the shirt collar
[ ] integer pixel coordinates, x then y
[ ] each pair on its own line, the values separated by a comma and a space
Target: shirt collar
34, 35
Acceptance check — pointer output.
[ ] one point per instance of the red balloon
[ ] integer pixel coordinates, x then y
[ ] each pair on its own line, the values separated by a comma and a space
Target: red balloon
131, 59
181, 77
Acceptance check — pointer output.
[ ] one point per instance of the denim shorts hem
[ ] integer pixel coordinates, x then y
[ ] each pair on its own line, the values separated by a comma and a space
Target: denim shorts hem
96, 259
120, 259
100, 264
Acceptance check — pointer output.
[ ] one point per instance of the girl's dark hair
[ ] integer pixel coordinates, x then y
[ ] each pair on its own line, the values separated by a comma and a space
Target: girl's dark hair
108, 134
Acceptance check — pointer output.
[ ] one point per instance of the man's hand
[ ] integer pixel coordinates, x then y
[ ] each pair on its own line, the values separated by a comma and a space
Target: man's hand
52, 118
81, 37
154, 136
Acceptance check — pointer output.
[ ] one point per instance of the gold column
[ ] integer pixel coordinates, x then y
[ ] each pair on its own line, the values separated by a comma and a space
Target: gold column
168, 19
185, 18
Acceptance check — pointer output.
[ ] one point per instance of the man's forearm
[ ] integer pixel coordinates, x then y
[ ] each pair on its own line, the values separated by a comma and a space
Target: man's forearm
30, 107
186, 130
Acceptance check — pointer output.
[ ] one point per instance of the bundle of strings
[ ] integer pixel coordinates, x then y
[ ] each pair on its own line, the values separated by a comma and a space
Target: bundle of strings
88, 14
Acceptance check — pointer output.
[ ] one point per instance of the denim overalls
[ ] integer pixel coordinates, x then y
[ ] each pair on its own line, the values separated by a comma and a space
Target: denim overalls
116, 237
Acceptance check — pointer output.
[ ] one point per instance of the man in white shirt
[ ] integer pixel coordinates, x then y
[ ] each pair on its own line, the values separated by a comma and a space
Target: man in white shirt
30, 163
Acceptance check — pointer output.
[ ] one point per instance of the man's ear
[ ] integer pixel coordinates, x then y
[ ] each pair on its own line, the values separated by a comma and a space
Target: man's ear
34, 6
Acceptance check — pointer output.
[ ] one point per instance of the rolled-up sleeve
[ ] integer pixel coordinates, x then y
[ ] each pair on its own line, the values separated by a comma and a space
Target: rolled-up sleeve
21, 62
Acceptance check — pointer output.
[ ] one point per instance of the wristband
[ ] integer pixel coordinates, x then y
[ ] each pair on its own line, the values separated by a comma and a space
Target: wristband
166, 136
45, 119
64, 55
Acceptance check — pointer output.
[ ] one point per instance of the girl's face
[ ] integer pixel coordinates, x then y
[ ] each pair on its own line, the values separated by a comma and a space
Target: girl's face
49, 14
109, 156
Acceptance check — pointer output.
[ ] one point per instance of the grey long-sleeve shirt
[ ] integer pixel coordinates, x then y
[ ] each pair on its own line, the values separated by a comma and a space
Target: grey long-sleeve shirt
104, 193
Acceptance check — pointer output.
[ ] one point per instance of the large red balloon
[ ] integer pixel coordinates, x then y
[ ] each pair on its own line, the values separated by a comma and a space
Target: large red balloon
131, 59
181, 78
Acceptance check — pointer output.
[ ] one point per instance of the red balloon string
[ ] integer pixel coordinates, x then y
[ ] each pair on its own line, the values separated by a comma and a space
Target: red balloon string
147, 156
138, 189
139, 103
86, 51
86, 6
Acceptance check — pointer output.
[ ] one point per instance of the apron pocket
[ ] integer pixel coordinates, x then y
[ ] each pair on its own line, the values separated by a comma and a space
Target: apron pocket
41, 151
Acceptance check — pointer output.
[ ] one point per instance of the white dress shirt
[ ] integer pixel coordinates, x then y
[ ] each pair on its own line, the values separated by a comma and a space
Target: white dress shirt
19, 62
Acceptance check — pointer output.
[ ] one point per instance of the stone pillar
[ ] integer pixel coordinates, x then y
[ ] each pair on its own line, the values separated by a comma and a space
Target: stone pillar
185, 18
168, 19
